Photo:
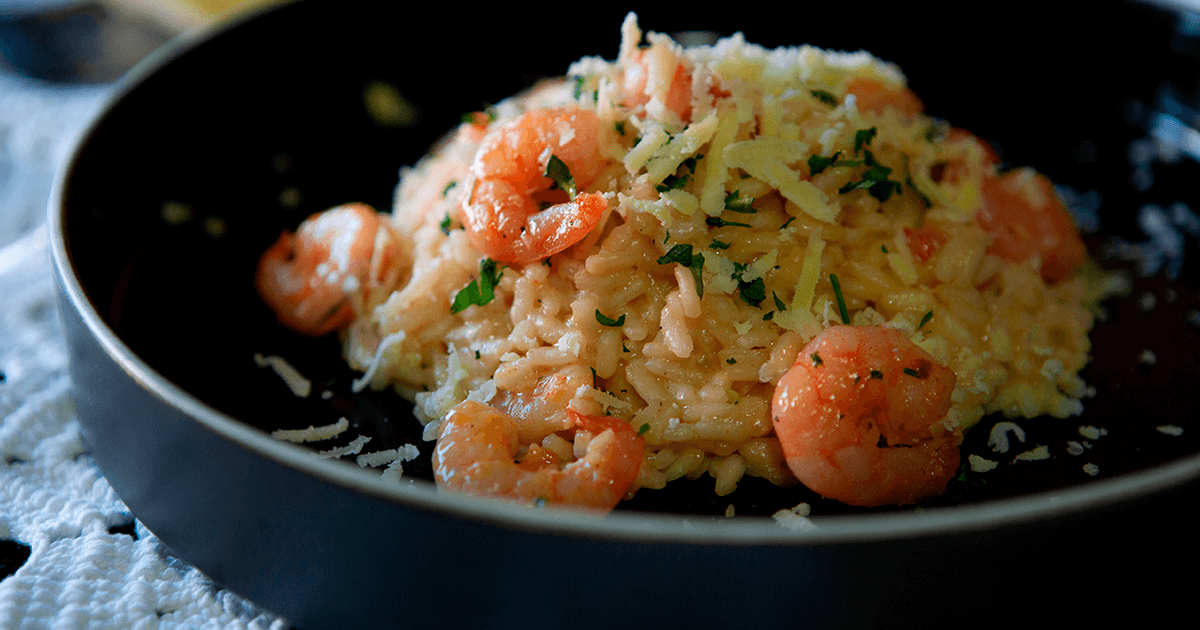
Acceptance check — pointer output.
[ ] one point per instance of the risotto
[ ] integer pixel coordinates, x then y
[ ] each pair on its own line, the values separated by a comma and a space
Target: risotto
721, 259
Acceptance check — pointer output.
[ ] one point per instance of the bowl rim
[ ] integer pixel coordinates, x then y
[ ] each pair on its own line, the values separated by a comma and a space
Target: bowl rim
632, 527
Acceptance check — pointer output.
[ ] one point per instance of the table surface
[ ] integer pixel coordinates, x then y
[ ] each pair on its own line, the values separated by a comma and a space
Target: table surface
71, 554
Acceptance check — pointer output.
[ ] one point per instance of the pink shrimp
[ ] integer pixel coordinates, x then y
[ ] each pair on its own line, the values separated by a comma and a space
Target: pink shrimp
507, 186
1026, 217
859, 417
477, 446
310, 278
876, 96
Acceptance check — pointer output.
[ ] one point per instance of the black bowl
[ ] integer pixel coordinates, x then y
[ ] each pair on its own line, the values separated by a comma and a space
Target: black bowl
212, 147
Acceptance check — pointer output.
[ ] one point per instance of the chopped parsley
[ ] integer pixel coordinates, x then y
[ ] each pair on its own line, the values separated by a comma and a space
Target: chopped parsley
445, 225
682, 254
787, 223
677, 182
875, 180
579, 81
752, 292
863, 137
452, 184
737, 203
608, 321
643, 429
824, 97
731, 361
768, 316
715, 244
719, 222
841, 301
779, 305
925, 320
620, 127
481, 290
884, 248
912, 372
816, 359
818, 163
876, 374
557, 170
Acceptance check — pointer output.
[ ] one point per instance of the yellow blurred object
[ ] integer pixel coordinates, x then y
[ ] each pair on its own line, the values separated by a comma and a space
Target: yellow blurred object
181, 15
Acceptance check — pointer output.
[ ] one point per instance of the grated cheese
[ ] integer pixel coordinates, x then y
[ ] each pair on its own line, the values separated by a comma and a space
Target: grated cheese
312, 434
768, 159
296, 382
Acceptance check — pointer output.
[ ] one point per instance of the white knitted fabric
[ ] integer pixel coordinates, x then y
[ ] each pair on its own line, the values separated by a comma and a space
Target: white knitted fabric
52, 497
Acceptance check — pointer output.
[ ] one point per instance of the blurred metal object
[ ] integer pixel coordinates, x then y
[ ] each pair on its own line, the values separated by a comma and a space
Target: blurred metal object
76, 42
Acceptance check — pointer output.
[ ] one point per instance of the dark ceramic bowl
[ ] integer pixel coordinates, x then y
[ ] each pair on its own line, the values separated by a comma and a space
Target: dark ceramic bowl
212, 147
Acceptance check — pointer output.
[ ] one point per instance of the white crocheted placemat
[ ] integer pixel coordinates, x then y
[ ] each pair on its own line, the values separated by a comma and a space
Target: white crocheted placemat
90, 563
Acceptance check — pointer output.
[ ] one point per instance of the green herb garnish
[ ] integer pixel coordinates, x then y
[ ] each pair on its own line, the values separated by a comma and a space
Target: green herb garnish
818, 163
719, 222
481, 290
682, 254
912, 372
677, 182
446, 190
752, 292
737, 203
620, 127
731, 361
824, 97
445, 225
925, 320
608, 321
874, 181
643, 429
779, 305
841, 301
816, 359
578, 87
557, 170
863, 137
876, 374
715, 244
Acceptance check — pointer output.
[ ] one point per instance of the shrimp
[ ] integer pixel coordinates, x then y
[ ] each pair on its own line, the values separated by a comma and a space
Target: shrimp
859, 418
1026, 217
507, 185
873, 95
316, 278
478, 444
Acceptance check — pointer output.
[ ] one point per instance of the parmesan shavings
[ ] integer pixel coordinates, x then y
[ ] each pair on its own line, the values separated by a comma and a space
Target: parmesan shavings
716, 170
312, 434
795, 519
979, 464
768, 159
998, 438
353, 448
296, 382
1040, 452
385, 344
408, 452
667, 158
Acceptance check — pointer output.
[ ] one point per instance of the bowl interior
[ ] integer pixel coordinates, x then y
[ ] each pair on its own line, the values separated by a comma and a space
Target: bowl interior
197, 168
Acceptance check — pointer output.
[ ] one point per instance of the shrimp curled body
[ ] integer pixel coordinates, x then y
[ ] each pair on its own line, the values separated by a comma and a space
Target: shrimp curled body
510, 210
859, 417
316, 278
477, 445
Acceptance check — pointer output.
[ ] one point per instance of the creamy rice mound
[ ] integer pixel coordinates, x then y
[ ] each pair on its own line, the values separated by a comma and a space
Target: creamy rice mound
687, 345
